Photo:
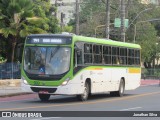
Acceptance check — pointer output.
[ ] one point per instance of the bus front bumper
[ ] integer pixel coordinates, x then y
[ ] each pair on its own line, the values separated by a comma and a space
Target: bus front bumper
69, 89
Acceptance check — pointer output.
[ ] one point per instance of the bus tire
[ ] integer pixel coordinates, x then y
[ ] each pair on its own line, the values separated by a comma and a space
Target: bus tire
120, 92
113, 93
44, 97
84, 96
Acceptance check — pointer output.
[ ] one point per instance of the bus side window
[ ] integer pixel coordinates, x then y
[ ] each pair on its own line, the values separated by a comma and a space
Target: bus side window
131, 57
88, 53
115, 55
97, 54
106, 54
79, 57
137, 57
78, 54
123, 56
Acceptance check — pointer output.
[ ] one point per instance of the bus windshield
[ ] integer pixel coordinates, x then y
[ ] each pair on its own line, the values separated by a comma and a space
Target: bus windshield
47, 60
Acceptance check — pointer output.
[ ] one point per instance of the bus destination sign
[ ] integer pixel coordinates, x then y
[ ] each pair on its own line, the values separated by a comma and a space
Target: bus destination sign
49, 40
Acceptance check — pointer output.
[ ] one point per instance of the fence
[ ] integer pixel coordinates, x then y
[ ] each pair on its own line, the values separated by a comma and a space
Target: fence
150, 73
10, 71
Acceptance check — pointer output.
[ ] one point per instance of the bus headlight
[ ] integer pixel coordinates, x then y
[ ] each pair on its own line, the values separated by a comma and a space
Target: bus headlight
24, 80
65, 82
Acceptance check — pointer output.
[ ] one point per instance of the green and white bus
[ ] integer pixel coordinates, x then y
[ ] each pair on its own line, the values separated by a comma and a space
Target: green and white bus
58, 64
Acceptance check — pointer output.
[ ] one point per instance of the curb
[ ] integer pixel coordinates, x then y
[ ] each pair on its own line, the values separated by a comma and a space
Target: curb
14, 94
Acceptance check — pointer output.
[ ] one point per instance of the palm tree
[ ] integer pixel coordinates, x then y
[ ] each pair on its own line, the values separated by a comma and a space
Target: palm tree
17, 20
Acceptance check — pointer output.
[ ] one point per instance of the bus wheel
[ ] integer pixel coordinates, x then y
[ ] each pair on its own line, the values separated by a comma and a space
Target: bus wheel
120, 92
44, 97
113, 93
84, 96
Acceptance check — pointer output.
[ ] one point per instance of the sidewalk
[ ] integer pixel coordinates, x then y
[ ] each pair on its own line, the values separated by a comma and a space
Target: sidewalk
13, 87
9, 87
10, 91
150, 82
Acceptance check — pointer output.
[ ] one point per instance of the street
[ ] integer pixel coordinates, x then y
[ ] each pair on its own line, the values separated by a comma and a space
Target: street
145, 98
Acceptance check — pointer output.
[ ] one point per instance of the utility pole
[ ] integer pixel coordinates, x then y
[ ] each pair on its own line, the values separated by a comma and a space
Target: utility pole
107, 18
62, 20
122, 20
56, 7
77, 17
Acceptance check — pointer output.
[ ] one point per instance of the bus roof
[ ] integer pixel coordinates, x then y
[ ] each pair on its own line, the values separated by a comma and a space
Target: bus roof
90, 40
43, 35
105, 41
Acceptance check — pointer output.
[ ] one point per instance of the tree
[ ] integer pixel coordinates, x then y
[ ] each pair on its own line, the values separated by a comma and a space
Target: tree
147, 32
45, 10
17, 20
92, 15
146, 37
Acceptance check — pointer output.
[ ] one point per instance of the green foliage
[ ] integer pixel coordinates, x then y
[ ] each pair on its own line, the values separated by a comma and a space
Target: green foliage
67, 29
92, 14
146, 32
44, 10
92, 19
16, 14
91, 8
19, 18
2, 59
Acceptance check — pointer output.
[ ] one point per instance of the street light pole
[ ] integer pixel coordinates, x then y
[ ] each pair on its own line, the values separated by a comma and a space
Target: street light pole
99, 26
95, 30
135, 26
138, 16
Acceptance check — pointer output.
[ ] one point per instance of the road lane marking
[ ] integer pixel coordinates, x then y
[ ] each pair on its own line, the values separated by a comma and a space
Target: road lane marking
131, 109
82, 103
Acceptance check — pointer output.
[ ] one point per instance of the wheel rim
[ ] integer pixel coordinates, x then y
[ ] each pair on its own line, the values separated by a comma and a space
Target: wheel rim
85, 94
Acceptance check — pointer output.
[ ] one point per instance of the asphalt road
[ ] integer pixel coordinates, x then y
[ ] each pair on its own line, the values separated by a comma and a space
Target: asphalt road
145, 98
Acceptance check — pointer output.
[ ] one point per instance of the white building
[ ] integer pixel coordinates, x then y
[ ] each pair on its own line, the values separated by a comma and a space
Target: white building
65, 7
151, 1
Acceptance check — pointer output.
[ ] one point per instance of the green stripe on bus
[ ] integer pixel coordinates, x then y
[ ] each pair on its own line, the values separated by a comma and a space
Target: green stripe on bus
106, 42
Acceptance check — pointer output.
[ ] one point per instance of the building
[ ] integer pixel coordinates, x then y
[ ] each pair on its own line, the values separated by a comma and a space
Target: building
151, 1
65, 11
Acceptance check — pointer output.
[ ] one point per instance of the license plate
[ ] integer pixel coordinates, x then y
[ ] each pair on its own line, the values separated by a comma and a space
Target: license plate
43, 92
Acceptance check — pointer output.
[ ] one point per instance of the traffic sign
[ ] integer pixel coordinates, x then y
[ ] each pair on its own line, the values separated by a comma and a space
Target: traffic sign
117, 22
